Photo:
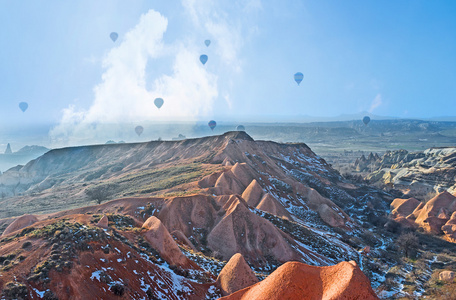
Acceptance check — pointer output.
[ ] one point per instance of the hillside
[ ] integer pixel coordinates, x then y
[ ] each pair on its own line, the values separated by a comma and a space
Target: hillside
215, 197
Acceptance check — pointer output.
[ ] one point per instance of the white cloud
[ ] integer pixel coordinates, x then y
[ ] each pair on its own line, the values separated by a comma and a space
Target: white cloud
123, 97
189, 89
376, 103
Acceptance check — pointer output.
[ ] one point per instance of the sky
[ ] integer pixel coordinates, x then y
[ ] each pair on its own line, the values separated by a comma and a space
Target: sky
387, 58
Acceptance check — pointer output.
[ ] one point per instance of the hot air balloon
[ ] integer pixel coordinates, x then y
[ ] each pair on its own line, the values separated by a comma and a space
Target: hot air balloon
207, 42
23, 106
139, 130
114, 36
203, 59
240, 128
298, 77
158, 102
212, 124
366, 120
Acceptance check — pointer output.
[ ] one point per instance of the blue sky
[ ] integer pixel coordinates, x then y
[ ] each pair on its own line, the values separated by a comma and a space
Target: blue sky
391, 58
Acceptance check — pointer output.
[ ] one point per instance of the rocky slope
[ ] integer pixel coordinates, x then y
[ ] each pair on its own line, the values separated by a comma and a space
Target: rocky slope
437, 216
215, 197
416, 174
295, 280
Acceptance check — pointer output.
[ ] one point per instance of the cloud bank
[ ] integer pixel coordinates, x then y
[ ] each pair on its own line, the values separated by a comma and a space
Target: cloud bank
190, 90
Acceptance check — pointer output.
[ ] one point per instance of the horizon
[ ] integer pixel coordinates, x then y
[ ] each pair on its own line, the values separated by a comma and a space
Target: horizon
39, 134
357, 59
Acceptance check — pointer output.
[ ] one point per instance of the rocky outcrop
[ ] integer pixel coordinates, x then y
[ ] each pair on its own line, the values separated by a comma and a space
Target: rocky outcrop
253, 193
229, 184
242, 231
447, 276
20, 223
368, 164
437, 216
8, 149
270, 205
160, 239
416, 173
294, 280
328, 210
183, 240
235, 275
103, 223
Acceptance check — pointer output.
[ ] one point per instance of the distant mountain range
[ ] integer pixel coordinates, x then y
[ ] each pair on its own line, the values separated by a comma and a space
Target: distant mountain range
20, 157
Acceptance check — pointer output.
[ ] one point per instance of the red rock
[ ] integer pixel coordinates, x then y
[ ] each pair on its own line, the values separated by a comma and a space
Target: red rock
160, 239
243, 172
179, 236
228, 181
271, 205
186, 213
253, 193
20, 223
428, 217
242, 231
294, 280
328, 210
209, 180
403, 207
103, 223
235, 275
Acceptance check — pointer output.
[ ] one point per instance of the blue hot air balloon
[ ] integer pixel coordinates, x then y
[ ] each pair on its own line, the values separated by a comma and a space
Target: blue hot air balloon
298, 77
158, 102
203, 59
212, 124
240, 128
139, 130
207, 42
23, 106
366, 120
114, 36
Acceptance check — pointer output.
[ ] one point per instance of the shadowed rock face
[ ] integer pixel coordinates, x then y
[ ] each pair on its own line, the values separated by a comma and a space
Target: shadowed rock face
229, 227
242, 231
235, 276
437, 216
270, 204
295, 280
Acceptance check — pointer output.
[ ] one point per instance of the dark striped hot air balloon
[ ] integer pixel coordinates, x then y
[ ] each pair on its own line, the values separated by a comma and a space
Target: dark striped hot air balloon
212, 124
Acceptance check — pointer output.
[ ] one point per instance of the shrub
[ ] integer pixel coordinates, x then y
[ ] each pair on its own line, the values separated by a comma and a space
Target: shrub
48, 295
26, 244
118, 289
408, 243
14, 290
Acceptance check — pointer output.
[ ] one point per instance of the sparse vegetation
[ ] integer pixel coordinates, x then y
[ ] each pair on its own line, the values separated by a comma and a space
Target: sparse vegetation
15, 290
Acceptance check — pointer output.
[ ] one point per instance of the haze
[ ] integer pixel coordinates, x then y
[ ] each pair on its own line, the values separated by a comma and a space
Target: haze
389, 58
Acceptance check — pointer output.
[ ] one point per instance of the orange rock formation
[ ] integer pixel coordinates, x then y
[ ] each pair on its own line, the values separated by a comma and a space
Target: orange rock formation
235, 276
295, 280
